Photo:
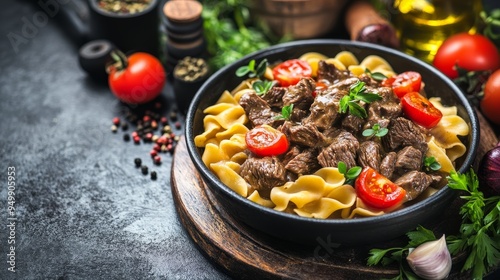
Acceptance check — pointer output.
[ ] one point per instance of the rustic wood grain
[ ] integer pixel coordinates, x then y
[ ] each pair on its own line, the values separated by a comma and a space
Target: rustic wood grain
248, 254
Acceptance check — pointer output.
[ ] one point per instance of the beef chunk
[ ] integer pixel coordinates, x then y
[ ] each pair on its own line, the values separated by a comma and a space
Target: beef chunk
388, 164
414, 182
352, 123
330, 73
300, 95
343, 148
274, 97
325, 108
408, 159
403, 132
304, 163
263, 173
369, 154
257, 110
304, 135
288, 156
367, 79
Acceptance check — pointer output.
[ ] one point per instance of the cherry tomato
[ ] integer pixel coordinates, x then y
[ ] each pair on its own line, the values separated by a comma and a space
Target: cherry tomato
378, 191
404, 83
491, 100
467, 51
420, 110
290, 72
141, 81
266, 141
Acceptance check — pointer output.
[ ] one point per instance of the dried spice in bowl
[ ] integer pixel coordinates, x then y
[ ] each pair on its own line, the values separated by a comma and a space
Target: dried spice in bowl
124, 6
189, 74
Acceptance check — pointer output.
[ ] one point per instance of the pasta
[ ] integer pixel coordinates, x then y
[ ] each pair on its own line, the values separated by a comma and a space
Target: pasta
323, 194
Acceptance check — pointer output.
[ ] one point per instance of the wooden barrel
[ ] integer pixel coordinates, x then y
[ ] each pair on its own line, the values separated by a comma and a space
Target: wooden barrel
300, 19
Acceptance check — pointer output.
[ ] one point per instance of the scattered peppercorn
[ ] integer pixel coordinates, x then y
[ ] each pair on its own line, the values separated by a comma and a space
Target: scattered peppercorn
114, 128
153, 175
137, 162
124, 126
153, 153
144, 169
126, 137
157, 159
116, 121
173, 116
178, 125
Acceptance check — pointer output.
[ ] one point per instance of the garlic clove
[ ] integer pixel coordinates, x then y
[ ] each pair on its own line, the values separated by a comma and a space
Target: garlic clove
431, 260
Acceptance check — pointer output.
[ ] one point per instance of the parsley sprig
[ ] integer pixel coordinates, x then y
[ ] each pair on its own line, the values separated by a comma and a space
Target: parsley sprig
350, 174
357, 93
478, 238
398, 254
480, 230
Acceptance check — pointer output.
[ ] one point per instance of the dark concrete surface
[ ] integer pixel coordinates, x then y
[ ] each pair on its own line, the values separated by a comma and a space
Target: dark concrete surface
82, 209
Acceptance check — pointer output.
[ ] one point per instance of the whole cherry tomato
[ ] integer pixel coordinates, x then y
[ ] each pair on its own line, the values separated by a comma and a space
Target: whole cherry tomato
404, 83
490, 104
137, 79
378, 191
466, 51
289, 73
420, 110
265, 141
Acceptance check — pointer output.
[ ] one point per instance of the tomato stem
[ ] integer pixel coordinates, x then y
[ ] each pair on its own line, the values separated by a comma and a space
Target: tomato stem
119, 63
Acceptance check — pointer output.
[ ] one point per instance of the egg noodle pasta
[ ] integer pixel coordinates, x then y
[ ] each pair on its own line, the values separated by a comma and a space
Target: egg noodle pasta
323, 194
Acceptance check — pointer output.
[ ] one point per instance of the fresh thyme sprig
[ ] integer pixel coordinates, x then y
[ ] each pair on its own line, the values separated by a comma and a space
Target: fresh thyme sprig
431, 163
357, 92
286, 113
350, 174
376, 130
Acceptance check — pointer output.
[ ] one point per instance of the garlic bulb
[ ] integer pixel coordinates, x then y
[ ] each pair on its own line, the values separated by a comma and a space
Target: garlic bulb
431, 260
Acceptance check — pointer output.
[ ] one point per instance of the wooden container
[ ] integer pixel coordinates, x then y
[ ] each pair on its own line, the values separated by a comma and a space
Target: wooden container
300, 19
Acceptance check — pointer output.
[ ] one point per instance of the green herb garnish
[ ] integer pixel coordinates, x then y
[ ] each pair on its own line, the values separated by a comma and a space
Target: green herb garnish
376, 130
357, 92
350, 174
479, 233
251, 70
286, 113
478, 238
398, 254
377, 76
431, 163
262, 87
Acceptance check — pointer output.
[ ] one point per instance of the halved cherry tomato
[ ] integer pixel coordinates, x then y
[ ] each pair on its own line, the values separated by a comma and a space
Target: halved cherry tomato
420, 110
265, 141
289, 73
491, 100
404, 83
378, 191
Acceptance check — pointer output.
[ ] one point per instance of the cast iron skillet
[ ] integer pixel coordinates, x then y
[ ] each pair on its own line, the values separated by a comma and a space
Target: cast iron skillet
343, 232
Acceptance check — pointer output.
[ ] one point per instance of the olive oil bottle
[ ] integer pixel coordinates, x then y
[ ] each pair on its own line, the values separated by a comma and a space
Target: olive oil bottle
423, 25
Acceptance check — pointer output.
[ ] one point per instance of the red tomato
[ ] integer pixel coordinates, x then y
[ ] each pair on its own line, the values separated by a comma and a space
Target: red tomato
266, 141
290, 72
141, 81
378, 191
404, 83
467, 51
490, 103
420, 110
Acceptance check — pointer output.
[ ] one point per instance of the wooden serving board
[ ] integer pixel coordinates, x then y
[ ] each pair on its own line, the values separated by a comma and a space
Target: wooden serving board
245, 253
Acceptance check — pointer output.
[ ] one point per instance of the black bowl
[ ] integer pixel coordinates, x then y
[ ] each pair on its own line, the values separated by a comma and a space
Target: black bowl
343, 232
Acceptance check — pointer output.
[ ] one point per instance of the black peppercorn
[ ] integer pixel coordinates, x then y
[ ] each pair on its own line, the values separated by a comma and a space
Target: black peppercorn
126, 137
144, 169
153, 175
137, 162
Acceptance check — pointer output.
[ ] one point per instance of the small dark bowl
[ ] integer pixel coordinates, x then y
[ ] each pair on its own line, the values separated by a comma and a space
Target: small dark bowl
343, 232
